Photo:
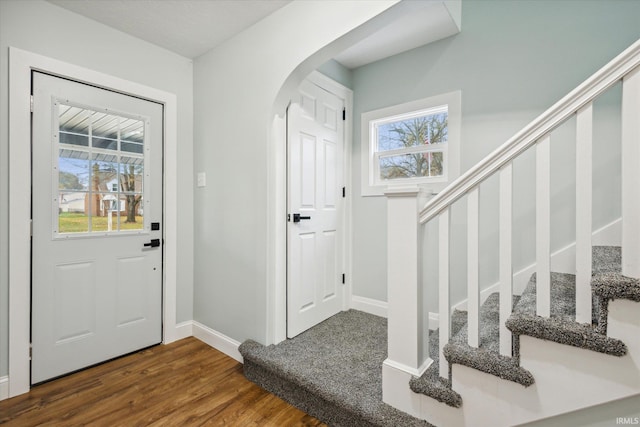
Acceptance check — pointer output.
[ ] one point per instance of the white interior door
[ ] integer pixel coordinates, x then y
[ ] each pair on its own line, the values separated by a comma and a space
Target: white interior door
315, 206
97, 225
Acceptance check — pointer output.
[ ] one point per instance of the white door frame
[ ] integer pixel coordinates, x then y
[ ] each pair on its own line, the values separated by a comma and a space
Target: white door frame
277, 299
21, 63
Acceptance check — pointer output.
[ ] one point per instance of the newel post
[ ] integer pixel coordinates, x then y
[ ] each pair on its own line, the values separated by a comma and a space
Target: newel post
408, 354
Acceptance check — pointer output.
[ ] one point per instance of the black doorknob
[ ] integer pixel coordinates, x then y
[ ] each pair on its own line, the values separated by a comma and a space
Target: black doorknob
298, 218
153, 243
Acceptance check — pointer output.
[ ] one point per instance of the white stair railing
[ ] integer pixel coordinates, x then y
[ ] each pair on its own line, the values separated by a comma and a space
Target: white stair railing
577, 103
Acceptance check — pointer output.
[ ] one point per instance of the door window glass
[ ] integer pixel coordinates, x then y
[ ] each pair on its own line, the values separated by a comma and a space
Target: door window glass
100, 171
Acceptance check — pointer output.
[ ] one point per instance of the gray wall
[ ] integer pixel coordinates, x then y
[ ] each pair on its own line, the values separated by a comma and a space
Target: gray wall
40, 27
512, 60
336, 71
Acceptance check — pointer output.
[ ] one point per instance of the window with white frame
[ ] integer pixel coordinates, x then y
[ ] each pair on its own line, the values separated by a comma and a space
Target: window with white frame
412, 143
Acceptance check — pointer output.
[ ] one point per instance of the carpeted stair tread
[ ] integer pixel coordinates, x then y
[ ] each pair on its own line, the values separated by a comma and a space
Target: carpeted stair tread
430, 383
609, 286
612, 286
606, 259
489, 333
486, 358
332, 371
563, 293
562, 331
561, 327
458, 321
488, 362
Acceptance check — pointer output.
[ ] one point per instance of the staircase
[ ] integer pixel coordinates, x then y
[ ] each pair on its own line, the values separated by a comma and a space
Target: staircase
560, 327
563, 343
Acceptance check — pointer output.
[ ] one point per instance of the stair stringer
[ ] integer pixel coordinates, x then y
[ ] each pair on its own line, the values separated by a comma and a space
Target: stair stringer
566, 379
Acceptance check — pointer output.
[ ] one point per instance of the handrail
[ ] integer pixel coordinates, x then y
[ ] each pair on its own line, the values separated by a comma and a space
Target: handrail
586, 92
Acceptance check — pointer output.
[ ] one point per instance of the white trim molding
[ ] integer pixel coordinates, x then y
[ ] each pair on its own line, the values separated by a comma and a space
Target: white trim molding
183, 330
416, 372
21, 64
217, 340
369, 305
4, 387
372, 185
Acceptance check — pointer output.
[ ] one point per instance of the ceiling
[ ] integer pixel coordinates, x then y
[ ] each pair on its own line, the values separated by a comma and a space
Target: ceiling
192, 27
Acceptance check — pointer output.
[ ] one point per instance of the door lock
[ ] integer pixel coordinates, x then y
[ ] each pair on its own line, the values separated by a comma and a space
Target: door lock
297, 217
154, 243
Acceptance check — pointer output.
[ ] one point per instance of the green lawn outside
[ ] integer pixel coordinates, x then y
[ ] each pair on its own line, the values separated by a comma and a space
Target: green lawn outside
76, 222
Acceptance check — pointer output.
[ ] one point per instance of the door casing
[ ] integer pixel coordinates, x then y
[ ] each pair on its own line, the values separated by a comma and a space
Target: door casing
21, 64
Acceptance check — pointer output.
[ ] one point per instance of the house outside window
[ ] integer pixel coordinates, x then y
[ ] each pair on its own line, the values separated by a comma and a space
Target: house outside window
416, 143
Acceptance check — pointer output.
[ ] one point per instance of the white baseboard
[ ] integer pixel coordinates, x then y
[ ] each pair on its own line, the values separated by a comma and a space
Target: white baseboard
4, 388
217, 340
369, 305
184, 330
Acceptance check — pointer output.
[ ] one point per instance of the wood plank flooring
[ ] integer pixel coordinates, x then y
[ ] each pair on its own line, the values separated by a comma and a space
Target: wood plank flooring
186, 383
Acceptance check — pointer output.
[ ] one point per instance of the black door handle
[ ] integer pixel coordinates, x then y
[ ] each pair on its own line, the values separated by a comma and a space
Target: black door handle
298, 218
153, 243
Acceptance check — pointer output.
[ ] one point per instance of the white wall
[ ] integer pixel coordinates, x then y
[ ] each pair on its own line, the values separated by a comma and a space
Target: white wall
40, 27
512, 60
239, 87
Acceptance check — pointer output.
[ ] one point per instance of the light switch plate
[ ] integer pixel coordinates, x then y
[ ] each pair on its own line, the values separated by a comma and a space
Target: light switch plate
202, 179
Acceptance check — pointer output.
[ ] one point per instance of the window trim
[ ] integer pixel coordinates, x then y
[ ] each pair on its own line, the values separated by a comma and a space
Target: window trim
371, 185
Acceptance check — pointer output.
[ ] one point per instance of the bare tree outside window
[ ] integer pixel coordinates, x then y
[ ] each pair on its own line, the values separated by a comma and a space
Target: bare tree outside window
128, 185
426, 132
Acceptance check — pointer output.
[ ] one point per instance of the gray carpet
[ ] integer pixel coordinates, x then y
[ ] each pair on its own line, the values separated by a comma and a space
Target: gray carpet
561, 327
486, 357
333, 371
430, 383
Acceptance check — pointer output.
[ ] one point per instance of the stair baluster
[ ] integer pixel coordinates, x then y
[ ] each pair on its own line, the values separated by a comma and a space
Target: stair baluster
444, 305
631, 174
584, 191
543, 226
473, 287
506, 275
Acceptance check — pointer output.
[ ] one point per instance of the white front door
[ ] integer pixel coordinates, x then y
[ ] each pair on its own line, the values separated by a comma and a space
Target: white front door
315, 205
97, 225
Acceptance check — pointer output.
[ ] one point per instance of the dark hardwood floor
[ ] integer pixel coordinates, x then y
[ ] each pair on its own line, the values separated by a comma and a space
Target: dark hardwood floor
186, 383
